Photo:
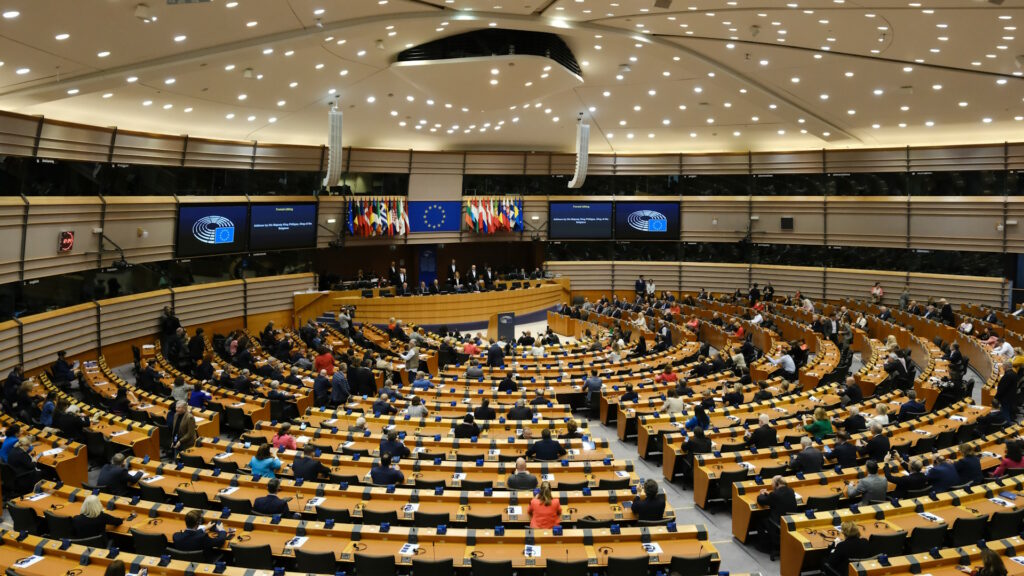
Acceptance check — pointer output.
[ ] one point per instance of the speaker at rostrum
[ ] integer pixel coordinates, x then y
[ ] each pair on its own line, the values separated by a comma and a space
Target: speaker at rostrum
334, 159
582, 153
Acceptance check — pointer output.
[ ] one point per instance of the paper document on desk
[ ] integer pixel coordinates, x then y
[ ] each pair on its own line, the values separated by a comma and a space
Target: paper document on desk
958, 418
547, 477
118, 433
514, 510
408, 549
1001, 502
622, 474
151, 479
746, 465
314, 502
1018, 559
302, 439
931, 517
296, 542
52, 452
651, 547
228, 491
27, 561
531, 551
459, 476
589, 446
37, 497
410, 508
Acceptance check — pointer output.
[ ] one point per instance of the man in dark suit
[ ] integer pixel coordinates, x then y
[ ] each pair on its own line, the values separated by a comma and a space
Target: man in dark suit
472, 276
116, 477
545, 448
807, 460
854, 421
779, 502
520, 412
495, 355
765, 436
321, 388
640, 286
63, 371
467, 428
489, 277
196, 537
911, 407
362, 380
393, 274
521, 479
877, 447
307, 466
851, 393
884, 314
915, 480
1006, 390
484, 411
435, 287
452, 272
271, 503
508, 383
844, 453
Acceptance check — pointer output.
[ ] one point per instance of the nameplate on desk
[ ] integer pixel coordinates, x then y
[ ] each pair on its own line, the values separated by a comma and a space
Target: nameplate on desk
1018, 559
330, 422
296, 542
652, 548
52, 452
348, 444
514, 510
531, 551
222, 455
150, 479
408, 549
314, 502
37, 497
931, 517
459, 476
302, 439
1001, 502
228, 491
922, 432
27, 561
238, 404
547, 477
622, 474
409, 509
746, 465
958, 418
145, 406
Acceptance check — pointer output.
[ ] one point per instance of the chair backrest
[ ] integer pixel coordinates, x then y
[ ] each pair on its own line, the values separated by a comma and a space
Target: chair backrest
430, 519
823, 502
337, 514
26, 519
888, 544
429, 484
924, 538
148, 544
480, 567
237, 505
616, 484
482, 521
632, 566
1004, 524
315, 562
152, 493
260, 557
478, 484
965, 531
367, 565
98, 541
378, 516
58, 526
193, 499
725, 481
919, 492
186, 555
433, 567
691, 565
562, 568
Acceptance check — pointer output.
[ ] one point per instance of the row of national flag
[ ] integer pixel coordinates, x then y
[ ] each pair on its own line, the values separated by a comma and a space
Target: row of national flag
368, 217
494, 214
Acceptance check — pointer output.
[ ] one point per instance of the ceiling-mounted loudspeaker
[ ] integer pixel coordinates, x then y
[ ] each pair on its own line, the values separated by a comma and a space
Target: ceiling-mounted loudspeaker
582, 153
663, 4
334, 158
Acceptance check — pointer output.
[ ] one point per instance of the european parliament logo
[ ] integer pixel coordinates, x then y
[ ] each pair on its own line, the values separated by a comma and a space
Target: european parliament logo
434, 216
214, 229
648, 221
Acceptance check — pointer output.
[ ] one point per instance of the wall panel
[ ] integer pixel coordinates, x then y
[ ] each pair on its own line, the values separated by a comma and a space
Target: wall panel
788, 279
386, 161
716, 164
12, 218
204, 153
714, 218
65, 141
144, 148
665, 275
130, 317
331, 207
18, 133
956, 223
714, 277
810, 162
959, 158
292, 158
495, 163
8, 346
880, 160
856, 284
437, 163
807, 213
209, 302
129, 218
71, 329
50, 215
585, 275
991, 292
1015, 232
275, 293
866, 221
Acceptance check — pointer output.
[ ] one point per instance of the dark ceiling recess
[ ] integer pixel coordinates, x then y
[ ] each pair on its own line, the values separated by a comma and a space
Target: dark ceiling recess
495, 42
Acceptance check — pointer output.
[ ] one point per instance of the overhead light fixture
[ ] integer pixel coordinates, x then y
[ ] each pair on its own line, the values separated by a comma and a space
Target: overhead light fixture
145, 13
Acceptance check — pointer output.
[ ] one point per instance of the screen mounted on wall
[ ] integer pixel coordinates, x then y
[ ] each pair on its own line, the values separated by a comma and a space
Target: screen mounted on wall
282, 226
580, 220
211, 229
647, 221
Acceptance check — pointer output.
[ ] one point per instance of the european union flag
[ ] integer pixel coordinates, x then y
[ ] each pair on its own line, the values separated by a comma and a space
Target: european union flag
431, 216
224, 236
657, 225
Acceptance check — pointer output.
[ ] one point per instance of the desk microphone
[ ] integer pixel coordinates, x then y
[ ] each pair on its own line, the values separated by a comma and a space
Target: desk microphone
434, 550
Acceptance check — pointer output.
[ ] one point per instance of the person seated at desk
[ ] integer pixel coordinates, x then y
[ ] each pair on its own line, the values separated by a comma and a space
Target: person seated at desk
521, 479
943, 474
383, 474
271, 503
91, 520
629, 395
673, 403
699, 419
49, 406
781, 500
416, 408
968, 467
520, 412
422, 382
844, 453
648, 504
115, 568
63, 371
539, 399
571, 431
592, 385
508, 383
994, 420
392, 445
991, 565
854, 422
19, 458
808, 460
545, 448
765, 436
787, 367
821, 426
877, 447
545, 512
915, 480
850, 546
382, 405
199, 398
467, 428
196, 536
116, 477
851, 392
870, 488
881, 416
763, 393
10, 439
264, 464
307, 466
734, 397
474, 372
911, 407
359, 426
283, 437
484, 411
1013, 459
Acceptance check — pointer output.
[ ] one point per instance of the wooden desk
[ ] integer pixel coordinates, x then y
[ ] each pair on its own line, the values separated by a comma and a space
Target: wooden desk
67, 459
437, 426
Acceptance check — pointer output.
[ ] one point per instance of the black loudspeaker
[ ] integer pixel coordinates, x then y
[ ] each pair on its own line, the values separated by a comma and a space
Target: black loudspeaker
577, 300
787, 223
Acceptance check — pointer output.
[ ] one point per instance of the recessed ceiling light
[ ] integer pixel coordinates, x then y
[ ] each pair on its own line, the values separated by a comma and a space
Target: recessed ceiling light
11, 14
851, 112
231, 4
710, 120
929, 123
781, 132
132, 79
682, 106
826, 134
293, 84
876, 126
272, 119
849, 74
763, 62
229, 67
230, 116
180, 38
242, 96
73, 91
823, 96
795, 80
698, 89
64, 36
727, 104
494, 81
636, 108
908, 68
736, 133
318, 12
251, 24
878, 92
986, 120
251, 118
902, 124
103, 54
1001, 81
170, 81
281, 102
147, 102
904, 108
268, 51
168, 106
371, 99
936, 86
962, 104
22, 71
108, 95
361, 53
754, 118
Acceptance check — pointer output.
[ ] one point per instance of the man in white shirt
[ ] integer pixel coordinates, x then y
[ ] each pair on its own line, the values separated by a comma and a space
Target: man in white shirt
757, 319
1003, 349
785, 362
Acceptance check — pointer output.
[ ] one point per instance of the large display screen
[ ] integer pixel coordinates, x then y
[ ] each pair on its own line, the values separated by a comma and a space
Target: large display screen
210, 229
580, 220
282, 227
647, 221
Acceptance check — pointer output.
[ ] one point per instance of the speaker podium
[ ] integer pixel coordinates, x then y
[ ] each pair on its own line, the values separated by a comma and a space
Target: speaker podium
502, 326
